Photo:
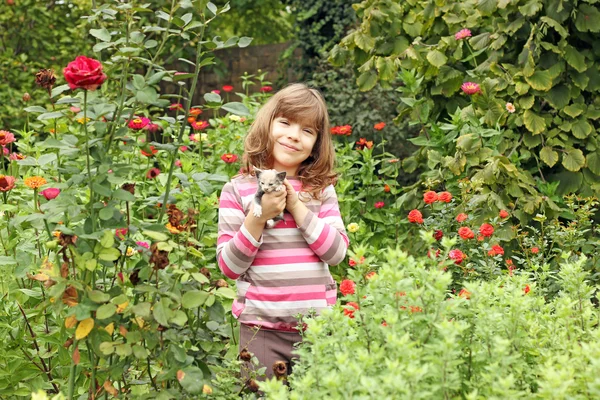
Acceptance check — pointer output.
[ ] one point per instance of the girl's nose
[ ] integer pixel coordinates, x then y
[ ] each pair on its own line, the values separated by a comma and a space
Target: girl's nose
294, 132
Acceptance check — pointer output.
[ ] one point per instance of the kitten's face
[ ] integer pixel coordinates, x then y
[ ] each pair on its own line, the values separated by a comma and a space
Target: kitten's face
269, 179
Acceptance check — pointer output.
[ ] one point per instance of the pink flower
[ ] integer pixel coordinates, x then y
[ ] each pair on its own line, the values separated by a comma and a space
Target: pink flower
152, 173
138, 123
178, 163
266, 89
229, 158
50, 193
227, 88
216, 91
75, 109
510, 107
176, 106
16, 156
462, 34
5, 150
183, 149
145, 245
457, 255
6, 137
199, 125
462, 217
470, 88
153, 128
379, 204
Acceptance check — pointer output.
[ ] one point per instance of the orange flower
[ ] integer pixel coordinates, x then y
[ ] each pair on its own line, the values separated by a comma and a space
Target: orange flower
35, 182
191, 120
386, 188
464, 293
379, 126
415, 217
445, 197
430, 197
503, 214
466, 233
496, 251
195, 111
462, 217
153, 151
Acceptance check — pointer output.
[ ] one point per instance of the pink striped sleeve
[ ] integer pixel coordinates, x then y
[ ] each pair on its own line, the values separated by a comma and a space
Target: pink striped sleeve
325, 232
236, 248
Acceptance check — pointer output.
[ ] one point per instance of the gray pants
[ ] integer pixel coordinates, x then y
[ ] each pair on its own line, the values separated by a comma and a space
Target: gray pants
269, 346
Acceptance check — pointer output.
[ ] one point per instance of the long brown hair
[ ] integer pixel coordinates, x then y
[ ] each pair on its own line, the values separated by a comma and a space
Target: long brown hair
303, 105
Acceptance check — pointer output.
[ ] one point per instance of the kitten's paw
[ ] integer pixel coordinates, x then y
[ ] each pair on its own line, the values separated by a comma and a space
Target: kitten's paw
278, 188
257, 211
271, 223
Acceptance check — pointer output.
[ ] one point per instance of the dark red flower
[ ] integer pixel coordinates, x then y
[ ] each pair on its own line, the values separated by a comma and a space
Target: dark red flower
438, 235
266, 89
526, 289
379, 204
152, 173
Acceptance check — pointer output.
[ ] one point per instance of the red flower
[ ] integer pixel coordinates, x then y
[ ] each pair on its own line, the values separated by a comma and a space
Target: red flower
379, 126
438, 234
462, 217
347, 287
121, 233
50, 193
341, 130
436, 255
457, 255
430, 197
227, 88
535, 250
464, 293
7, 183
386, 188
195, 111
266, 89
138, 123
152, 173
445, 197
526, 289
470, 88
153, 151
415, 217
178, 163
503, 214
229, 158
199, 125
84, 73
415, 309
486, 230
370, 275
496, 251
379, 204
352, 261
466, 233
362, 143
350, 308
6, 137
183, 149
176, 106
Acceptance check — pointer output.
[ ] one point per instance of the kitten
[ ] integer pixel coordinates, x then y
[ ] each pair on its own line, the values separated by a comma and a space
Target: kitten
268, 180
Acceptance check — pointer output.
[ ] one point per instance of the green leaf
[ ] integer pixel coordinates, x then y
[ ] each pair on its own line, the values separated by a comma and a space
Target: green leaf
226, 292
108, 239
436, 58
192, 380
526, 102
364, 42
102, 34
531, 8
160, 312
575, 59
142, 309
106, 213
244, 41
50, 115
106, 311
540, 80
559, 96
574, 110
549, 156
35, 109
211, 97
366, 81
570, 182
533, 122
386, 68
193, 299
212, 8
147, 95
573, 159
98, 296
139, 352
179, 318
157, 236
593, 162
109, 254
235, 107
588, 18
123, 195
581, 128
46, 159
486, 7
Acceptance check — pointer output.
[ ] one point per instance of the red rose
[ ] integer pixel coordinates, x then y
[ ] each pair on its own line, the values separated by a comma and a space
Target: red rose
84, 73
415, 217
535, 250
496, 251
438, 234
486, 230
347, 287
457, 255
462, 217
445, 197
430, 197
504, 214
466, 233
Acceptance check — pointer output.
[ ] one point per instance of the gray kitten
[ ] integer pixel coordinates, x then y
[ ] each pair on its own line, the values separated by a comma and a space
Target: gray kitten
268, 180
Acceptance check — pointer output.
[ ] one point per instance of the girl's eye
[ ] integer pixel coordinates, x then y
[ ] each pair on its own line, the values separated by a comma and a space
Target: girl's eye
308, 131
284, 122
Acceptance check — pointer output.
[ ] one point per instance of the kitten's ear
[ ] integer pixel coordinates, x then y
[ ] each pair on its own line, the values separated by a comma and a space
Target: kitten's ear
257, 171
281, 175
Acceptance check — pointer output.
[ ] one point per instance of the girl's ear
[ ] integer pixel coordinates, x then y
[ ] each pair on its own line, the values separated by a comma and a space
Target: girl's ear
281, 175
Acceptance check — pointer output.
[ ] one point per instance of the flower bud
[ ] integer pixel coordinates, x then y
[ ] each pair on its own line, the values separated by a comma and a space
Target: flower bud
26, 97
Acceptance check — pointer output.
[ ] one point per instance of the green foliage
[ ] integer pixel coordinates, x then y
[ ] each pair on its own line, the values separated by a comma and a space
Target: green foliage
412, 338
540, 56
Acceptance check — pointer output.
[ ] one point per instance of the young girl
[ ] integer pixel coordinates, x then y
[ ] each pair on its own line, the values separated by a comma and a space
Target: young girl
283, 271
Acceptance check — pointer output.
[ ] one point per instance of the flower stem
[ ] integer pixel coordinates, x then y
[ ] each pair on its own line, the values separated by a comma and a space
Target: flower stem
87, 150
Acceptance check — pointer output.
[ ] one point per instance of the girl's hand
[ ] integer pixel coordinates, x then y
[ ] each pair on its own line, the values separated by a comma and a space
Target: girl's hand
292, 197
272, 203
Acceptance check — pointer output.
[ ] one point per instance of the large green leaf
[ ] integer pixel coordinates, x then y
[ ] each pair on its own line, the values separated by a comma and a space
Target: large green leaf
559, 96
436, 58
593, 162
581, 128
574, 110
366, 81
386, 68
573, 159
533, 122
530, 8
575, 59
588, 18
486, 7
540, 80
549, 156
364, 42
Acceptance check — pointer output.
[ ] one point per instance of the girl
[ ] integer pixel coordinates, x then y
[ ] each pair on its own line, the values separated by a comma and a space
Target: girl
284, 271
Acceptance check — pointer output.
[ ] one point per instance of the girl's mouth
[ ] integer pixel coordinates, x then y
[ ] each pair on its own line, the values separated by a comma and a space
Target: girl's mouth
288, 147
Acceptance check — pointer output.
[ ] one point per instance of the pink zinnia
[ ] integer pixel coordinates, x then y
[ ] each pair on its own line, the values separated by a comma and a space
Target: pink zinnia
50, 193
178, 163
216, 91
266, 89
6, 137
138, 123
379, 204
16, 156
5, 151
462, 34
199, 125
152, 173
75, 109
470, 88
145, 245
183, 148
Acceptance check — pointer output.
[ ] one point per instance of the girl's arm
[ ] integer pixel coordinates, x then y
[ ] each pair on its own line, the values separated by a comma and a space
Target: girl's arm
325, 233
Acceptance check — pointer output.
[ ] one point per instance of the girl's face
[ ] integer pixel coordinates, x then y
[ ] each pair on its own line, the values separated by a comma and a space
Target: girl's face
293, 143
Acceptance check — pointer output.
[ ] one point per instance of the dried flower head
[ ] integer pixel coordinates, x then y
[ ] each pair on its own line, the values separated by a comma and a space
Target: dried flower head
45, 78
280, 369
245, 355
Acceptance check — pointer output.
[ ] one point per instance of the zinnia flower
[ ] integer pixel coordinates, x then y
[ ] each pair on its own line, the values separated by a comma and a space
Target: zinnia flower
461, 217
227, 88
462, 34
486, 230
229, 158
470, 88
353, 227
266, 89
178, 163
34, 182
350, 308
153, 128
445, 197
152, 173
145, 245
352, 262
7, 183
16, 156
199, 125
415, 217
457, 255
176, 106
153, 151
496, 251
379, 126
503, 214
379, 204
535, 250
430, 197
510, 107
138, 123
341, 130
195, 111
347, 287
466, 233
50, 193
216, 91
6, 137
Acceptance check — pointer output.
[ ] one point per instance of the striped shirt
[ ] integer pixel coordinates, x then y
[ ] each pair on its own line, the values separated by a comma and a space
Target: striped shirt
286, 272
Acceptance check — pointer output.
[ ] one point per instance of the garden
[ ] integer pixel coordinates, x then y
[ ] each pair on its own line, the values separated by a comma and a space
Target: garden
468, 165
